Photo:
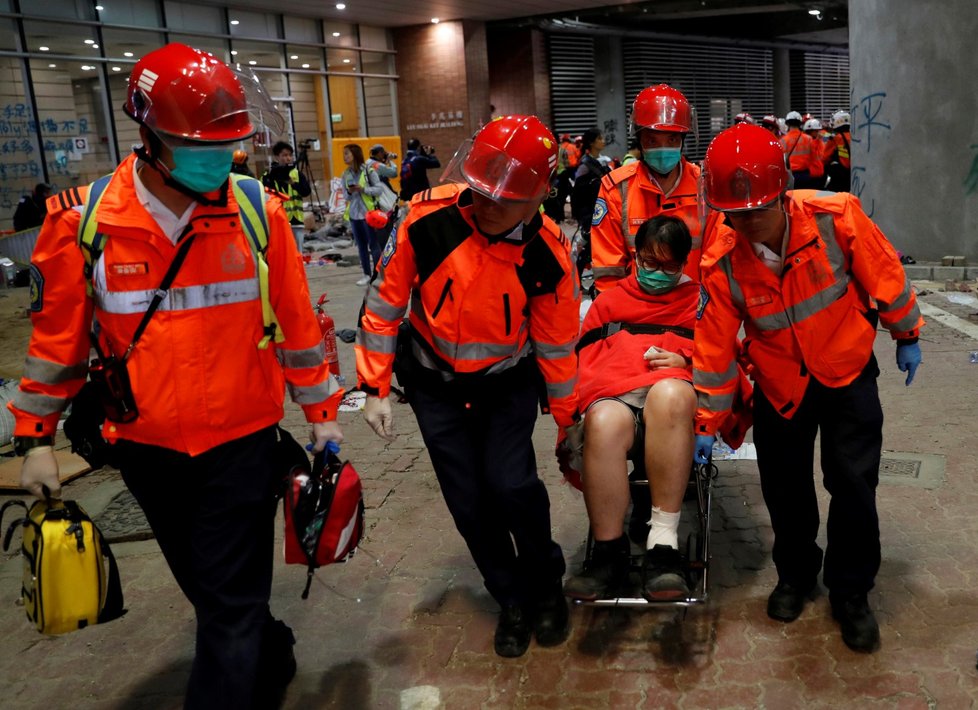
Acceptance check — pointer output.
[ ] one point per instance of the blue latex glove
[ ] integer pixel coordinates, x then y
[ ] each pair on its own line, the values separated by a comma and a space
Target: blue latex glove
703, 449
908, 359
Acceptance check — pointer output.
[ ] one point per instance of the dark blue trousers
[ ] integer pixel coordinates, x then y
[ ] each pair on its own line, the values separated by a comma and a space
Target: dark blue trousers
213, 516
850, 422
479, 440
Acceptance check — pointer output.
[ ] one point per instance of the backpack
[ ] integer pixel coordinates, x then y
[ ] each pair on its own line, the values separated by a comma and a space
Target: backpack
324, 511
70, 575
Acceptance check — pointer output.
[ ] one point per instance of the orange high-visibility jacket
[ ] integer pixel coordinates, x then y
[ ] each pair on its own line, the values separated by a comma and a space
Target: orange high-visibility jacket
480, 306
798, 148
629, 197
198, 376
841, 143
813, 321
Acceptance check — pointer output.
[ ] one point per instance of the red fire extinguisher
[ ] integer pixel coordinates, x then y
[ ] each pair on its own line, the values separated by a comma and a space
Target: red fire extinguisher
328, 328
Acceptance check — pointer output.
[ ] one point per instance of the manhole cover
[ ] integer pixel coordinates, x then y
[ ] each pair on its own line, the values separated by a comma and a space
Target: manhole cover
895, 467
122, 520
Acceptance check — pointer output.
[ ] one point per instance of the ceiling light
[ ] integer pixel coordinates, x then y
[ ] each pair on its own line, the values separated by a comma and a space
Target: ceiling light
99, 8
94, 46
86, 67
305, 66
340, 6
116, 68
252, 62
435, 20
44, 49
293, 56
235, 22
814, 12
336, 34
89, 41
127, 54
52, 66
346, 61
234, 52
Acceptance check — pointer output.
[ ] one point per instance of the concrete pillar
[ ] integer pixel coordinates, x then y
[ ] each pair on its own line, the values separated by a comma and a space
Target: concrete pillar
915, 122
781, 78
609, 85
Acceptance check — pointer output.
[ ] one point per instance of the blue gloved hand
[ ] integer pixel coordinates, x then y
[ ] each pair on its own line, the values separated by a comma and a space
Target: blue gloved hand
703, 449
908, 359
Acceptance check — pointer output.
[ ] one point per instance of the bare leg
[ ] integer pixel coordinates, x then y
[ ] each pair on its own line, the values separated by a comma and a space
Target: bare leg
669, 409
609, 431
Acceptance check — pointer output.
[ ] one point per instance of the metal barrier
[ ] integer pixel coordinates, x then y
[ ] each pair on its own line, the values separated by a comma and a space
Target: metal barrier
19, 246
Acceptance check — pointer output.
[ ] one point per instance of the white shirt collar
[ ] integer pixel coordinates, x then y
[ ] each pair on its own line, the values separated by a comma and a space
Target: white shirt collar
170, 224
774, 262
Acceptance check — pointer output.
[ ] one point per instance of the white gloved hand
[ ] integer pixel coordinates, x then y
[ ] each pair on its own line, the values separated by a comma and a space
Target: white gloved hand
40, 469
323, 432
377, 413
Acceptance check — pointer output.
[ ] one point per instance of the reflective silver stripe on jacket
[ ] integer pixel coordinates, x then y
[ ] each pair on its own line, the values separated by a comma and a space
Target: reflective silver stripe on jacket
601, 272
376, 303
52, 373
900, 301
185, 298
477, 351
548, 351
39, 405
314, 394
736, 295
715, 402
908, 322
628, 236
297, 359
715, 379
373, 342
426, 361
559, 390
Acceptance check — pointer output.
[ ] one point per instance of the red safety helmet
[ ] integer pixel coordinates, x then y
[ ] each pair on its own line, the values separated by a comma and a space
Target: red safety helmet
510, 158
662, 108
376, 219
744, 169
190, 94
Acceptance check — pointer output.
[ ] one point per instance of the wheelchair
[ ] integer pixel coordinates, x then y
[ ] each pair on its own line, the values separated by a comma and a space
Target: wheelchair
694, 547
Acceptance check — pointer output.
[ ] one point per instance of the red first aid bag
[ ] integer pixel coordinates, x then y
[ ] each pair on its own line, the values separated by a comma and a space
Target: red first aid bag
323, 513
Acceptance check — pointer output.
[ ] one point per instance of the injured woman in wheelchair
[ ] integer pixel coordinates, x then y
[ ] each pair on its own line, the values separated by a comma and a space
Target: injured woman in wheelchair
636, 392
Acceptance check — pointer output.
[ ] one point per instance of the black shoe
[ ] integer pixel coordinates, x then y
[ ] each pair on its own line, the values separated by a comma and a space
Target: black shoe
276, 666
513, 632
552, 623
662, 575
787, 601
605, 574
859, 628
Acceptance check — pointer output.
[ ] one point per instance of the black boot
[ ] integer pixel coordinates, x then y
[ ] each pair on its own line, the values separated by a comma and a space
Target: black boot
662, 575
605, 574
860, 631
552, 623
513, 632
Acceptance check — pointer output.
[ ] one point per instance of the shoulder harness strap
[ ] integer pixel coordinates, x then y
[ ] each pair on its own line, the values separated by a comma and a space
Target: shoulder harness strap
90, 240
249, 193
609, 329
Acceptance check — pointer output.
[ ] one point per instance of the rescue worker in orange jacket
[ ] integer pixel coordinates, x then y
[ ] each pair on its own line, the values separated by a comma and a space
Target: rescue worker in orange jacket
838, 162
662, 182
808, 275
494, 303
803, 158
200, 456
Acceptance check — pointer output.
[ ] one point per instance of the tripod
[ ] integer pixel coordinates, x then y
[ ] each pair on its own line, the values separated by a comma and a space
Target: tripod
302, 164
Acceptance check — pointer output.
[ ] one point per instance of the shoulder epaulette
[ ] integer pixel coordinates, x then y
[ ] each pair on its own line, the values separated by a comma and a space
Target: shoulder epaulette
66, 199
440, 192
620, 174
824, 200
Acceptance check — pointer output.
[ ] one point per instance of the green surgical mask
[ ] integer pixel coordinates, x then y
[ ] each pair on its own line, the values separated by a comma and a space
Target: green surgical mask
655, 280
662, 160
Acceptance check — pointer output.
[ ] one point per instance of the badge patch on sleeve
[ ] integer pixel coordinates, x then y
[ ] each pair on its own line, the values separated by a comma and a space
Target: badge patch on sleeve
600, 210
37, 289
704, 299
389, 249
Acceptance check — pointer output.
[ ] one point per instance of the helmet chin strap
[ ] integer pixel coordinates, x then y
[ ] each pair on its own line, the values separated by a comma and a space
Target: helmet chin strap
160, 167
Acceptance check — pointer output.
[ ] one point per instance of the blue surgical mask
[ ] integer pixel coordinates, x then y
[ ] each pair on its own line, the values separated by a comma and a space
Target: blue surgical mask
662, 160
655, 280
202, 168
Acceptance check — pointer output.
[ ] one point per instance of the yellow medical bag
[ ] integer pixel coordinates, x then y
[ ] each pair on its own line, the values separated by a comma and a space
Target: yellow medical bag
70, 576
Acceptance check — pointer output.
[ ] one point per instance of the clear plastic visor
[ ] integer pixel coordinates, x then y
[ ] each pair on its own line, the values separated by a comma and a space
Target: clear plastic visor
490, 171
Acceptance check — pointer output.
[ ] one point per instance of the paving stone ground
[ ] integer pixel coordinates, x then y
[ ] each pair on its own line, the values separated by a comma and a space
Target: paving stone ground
407, 623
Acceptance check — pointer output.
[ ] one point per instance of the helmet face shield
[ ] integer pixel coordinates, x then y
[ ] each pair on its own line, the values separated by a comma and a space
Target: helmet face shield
262, 110
492, 172
663, 108
744, 169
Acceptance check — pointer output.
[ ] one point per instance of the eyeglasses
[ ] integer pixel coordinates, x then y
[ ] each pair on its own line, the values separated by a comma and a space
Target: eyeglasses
667, 267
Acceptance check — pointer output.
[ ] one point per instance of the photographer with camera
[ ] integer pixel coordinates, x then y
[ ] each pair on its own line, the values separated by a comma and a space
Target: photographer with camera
382, 163
285, 178
414, 172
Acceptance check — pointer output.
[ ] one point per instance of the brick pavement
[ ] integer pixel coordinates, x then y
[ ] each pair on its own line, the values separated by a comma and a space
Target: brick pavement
407, 624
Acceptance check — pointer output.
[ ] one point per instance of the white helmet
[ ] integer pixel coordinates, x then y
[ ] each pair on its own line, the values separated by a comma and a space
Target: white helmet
793, 116
840, 118
812, 124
